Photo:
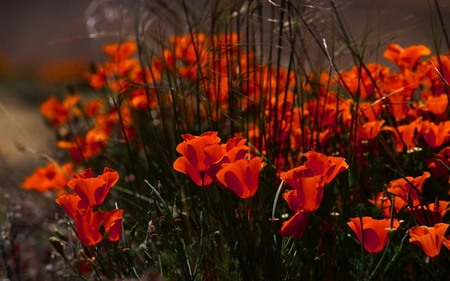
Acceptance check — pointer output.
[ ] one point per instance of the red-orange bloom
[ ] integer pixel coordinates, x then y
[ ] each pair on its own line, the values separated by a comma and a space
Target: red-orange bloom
88, 223
295, 226
428, 238
194, 161
93, 191
241, 177
373, 232
48, 178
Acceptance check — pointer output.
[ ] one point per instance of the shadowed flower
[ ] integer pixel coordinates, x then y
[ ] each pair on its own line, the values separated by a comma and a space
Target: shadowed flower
88, 225
373, 232
194, 162
436, 167
241, 177
295, 226
430, 214
93, 191
428, 238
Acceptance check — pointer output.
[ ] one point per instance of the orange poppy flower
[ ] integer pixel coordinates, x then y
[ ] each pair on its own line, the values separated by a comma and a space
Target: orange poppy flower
93, 191
428, 238
194, 161
48, 178
373, 232
242, 176
295, 226
402, 188
88, 223
307, 194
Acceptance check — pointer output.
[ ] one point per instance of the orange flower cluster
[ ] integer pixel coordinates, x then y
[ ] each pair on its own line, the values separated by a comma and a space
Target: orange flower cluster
308, 182
89, 193
205, 160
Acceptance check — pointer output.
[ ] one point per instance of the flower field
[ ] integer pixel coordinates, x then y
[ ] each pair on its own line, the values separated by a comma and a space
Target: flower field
243, 148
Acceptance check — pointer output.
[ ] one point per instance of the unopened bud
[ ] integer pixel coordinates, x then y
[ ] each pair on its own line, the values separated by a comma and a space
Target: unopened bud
57, 244
60, 235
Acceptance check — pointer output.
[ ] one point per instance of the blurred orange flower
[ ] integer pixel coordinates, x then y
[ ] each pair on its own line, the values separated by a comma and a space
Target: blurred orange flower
56, 112
120, 51
406, 58
428, 238
373, 232
437, 104
49, 177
